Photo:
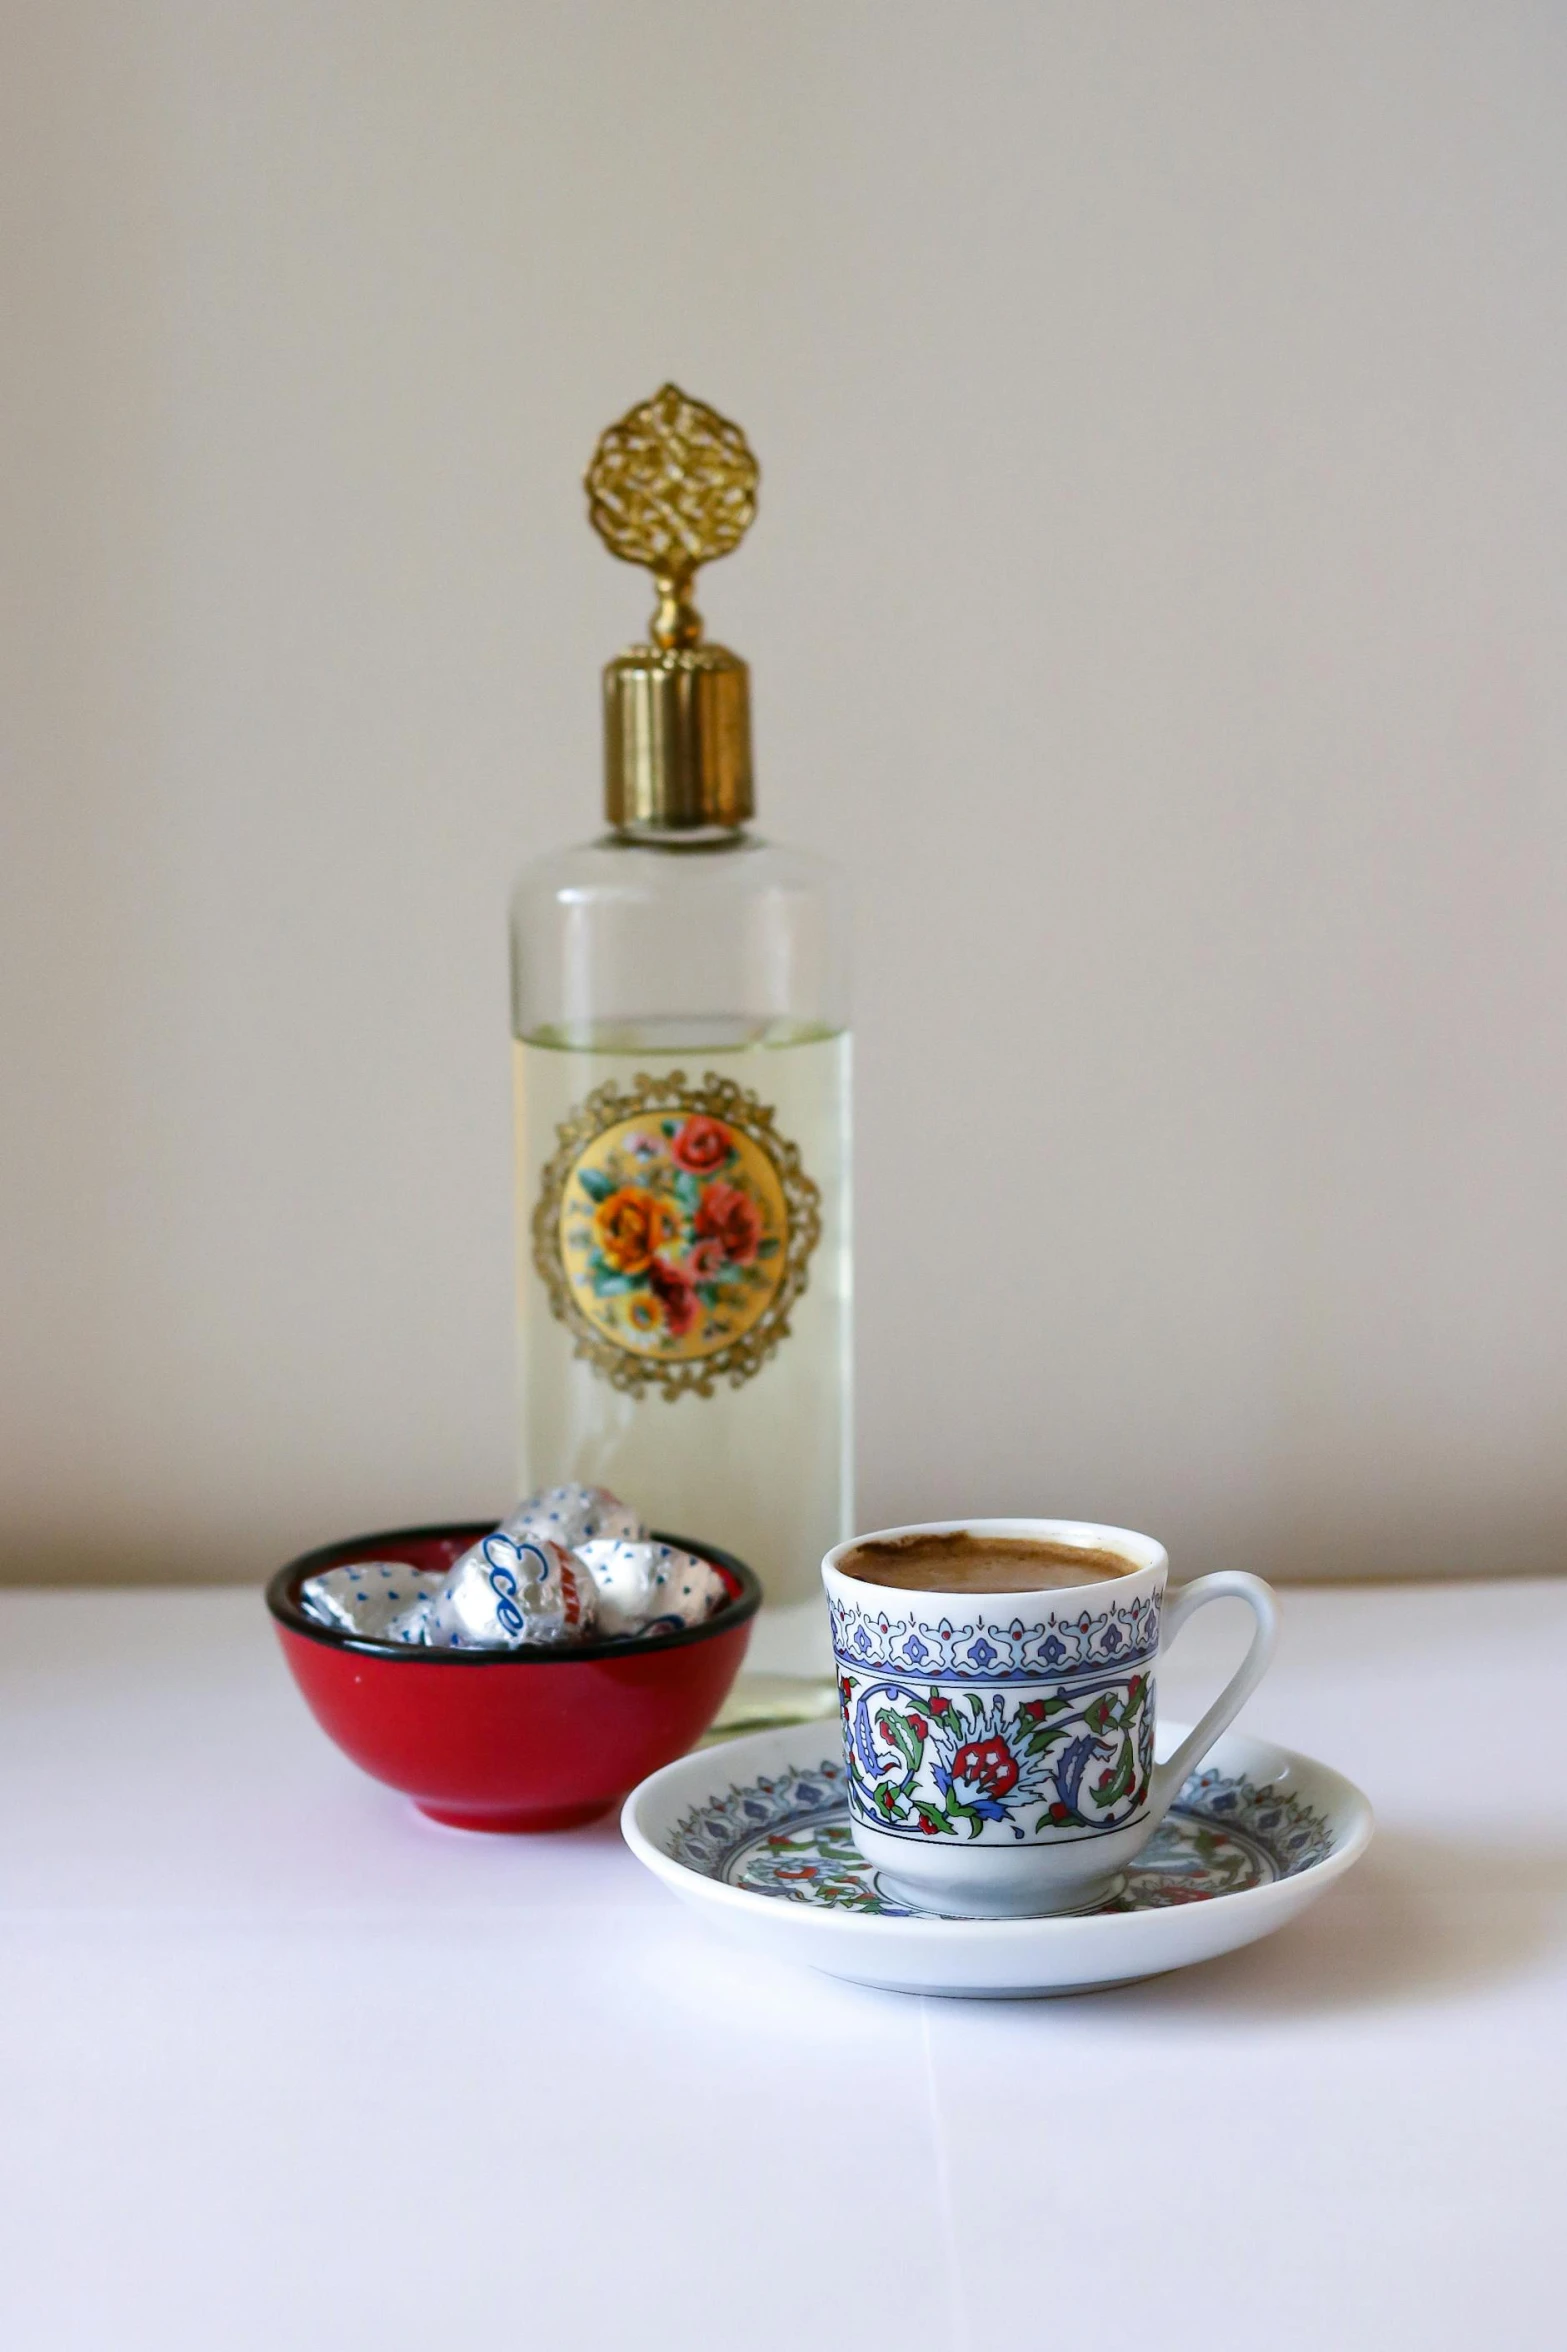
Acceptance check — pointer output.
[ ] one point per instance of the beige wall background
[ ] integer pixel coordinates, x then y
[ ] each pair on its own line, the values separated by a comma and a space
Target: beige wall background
1159, 602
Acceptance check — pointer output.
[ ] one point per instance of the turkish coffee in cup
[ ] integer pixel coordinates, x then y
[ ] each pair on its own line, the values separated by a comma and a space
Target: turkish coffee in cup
958, 1560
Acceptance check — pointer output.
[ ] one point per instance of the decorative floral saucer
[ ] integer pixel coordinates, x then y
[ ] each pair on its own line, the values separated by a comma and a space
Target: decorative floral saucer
756, 1834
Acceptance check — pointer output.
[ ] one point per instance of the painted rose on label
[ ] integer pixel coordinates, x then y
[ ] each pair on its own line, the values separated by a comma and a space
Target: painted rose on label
674, 1287
700, 1145
730, 1221
630, 1225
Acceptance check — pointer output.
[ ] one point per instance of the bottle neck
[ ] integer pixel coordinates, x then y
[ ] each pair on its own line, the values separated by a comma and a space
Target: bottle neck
682, 839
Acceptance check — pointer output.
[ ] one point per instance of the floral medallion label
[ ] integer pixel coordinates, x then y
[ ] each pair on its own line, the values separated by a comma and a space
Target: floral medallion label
673, 1232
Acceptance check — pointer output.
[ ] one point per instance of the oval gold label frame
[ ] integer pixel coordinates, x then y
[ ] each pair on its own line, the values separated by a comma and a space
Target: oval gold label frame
638, 1170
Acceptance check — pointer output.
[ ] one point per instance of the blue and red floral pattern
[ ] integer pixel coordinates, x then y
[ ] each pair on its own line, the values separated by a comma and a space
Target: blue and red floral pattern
789, 1837
1040, 1763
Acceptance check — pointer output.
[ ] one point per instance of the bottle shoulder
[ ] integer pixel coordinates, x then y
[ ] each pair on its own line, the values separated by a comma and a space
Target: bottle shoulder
616, 930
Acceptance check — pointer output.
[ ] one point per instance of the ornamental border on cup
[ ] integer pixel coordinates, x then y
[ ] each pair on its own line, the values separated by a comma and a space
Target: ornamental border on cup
1123, 1635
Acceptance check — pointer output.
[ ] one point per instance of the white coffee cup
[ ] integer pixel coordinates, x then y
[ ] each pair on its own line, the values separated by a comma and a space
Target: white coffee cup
1000, 1745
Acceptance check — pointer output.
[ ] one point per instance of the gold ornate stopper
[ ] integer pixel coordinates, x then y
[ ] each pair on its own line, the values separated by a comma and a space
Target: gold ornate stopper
673, 486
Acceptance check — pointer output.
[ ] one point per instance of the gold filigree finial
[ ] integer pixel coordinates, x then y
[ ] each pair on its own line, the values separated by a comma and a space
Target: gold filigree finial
672, 486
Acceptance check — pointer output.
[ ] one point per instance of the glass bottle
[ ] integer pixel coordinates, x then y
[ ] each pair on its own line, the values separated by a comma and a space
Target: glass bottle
679, 1010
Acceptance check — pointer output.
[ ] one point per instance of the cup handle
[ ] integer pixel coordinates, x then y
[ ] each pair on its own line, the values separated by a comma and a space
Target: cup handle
1223, 1584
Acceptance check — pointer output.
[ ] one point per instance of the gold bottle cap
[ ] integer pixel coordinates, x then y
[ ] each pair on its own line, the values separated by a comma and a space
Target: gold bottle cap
673, 486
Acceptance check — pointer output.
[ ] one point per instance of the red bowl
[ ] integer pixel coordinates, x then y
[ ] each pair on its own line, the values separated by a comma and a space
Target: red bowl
510, 1739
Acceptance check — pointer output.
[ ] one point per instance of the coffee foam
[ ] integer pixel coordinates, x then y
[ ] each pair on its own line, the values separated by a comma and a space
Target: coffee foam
961, 1561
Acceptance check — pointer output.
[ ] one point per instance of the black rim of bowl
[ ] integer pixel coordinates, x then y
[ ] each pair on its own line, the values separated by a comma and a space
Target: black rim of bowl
283, 1601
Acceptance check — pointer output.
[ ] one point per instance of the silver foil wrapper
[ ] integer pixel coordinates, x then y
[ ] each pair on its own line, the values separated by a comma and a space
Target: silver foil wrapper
646, 1587
572, 1516
571, 1563
504, 1592
416, 1625
370, 1597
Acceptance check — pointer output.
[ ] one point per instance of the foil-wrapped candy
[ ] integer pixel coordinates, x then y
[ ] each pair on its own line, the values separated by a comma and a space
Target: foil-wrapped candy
646, 1587
574, 1515
570, 1563
504, 1592
369, 1597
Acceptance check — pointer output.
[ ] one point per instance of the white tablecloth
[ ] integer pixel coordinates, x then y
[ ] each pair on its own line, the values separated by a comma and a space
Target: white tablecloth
283, 2066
